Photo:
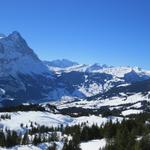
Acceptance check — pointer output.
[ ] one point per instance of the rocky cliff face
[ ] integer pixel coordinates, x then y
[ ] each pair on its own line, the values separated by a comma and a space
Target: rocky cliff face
23, 75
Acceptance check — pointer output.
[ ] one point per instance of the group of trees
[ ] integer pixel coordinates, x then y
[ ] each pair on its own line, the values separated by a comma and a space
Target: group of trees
130, 134
71, 144
11, 138
43, 129
78, 111
5, 116
30, 107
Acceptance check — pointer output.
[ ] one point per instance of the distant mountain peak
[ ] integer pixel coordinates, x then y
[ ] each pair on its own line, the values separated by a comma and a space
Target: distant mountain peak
60, 63
16, 36
2, 35
100, 65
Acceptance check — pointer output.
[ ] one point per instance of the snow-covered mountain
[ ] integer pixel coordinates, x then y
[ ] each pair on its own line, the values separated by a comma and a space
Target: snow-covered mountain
25, 78
22, 74
89, 80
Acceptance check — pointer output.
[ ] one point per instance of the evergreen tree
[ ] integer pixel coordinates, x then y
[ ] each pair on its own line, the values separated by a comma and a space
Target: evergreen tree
53, 147
54, 136
25, 139
2, 139
85, 134
36, 140
145, 143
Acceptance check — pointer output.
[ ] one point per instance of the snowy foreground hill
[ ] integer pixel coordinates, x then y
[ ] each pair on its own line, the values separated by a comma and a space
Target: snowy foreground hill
93, 144
52, 120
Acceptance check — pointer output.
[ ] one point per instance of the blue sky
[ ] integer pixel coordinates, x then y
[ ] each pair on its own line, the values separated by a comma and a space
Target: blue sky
114, 32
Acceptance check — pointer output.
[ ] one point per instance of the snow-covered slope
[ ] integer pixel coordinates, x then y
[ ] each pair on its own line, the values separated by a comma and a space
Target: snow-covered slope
126, 100
93, 144
49, 119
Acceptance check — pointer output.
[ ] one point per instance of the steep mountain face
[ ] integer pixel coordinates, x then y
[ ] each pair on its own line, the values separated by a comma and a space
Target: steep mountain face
17, 57
23, 75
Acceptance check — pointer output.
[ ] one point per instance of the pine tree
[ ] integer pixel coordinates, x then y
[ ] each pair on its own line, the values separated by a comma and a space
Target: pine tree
2, 139
85, 134
53, 147
9, 141
54, 136
25, 139
145, 143
36, 140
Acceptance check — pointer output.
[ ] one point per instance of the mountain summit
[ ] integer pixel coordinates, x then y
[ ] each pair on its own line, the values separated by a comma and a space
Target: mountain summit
63, 63
17, 57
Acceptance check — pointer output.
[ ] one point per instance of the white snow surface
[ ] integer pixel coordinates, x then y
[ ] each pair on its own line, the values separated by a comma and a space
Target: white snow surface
110, 102
93, 144
131, 111
42, 118
97, 120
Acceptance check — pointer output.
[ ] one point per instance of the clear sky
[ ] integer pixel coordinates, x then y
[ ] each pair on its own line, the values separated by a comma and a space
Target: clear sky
114, 32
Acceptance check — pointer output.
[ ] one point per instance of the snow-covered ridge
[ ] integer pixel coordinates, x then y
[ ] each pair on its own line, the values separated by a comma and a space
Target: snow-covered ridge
95, 79
98, 68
